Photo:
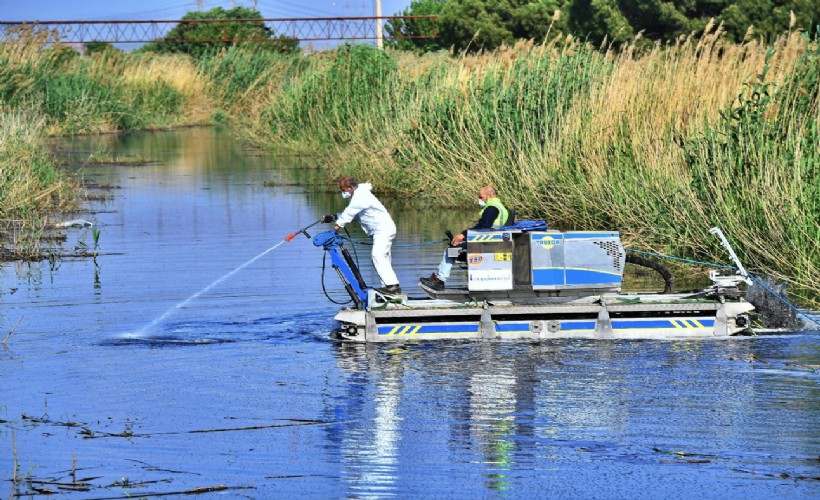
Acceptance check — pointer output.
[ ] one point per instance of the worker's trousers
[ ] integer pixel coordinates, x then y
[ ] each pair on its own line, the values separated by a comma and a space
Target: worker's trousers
446, 264
382, 258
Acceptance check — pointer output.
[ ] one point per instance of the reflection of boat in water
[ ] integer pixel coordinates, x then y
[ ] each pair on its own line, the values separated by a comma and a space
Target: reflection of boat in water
525, 282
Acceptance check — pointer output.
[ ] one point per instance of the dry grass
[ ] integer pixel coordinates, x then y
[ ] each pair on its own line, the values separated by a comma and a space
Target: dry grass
30, 186
180, 73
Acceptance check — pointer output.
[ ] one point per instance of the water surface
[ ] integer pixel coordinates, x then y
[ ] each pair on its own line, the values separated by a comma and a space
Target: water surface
152, 372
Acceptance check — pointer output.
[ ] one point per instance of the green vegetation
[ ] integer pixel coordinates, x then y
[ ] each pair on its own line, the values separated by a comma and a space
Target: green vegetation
95, 47
344, 95
659, 141
108, 91
660, 144
30, 184
203, 38
475, 25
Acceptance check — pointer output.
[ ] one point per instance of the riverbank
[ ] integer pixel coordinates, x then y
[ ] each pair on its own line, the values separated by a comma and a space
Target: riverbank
31, 186
660, 145
48, 89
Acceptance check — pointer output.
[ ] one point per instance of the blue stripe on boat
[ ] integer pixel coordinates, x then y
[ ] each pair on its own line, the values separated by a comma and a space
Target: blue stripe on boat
589, 277
577, 325
512, 327
419, 329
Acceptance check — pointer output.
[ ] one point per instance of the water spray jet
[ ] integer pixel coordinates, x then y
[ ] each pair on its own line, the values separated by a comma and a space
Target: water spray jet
223, 278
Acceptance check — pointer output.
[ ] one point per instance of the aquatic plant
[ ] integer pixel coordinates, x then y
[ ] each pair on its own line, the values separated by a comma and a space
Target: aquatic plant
95, 235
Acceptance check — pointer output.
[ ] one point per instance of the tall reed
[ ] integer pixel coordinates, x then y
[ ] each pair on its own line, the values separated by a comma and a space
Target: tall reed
661, 144
31, 186
107, 92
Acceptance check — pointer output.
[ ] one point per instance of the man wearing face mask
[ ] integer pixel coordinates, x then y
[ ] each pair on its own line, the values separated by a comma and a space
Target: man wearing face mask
376, 222
493, 214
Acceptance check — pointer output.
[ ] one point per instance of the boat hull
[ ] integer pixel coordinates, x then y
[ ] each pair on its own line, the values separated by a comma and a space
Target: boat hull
615, 317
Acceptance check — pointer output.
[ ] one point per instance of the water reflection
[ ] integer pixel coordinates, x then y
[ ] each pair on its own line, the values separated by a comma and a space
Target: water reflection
509, 407
492, 401
556, 419
367, 434
490, 408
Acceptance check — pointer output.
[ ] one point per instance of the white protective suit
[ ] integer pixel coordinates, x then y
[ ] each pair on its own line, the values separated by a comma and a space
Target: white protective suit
376, 222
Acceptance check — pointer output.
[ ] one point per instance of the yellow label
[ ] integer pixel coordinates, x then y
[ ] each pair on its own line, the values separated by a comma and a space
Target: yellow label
503, 256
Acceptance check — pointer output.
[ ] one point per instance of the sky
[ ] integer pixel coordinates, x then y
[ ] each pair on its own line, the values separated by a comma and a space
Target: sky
94, 10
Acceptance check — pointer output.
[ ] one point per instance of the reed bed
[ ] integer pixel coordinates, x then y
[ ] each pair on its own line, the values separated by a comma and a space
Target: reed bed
661, 144
108, 92
30, 185
47, 88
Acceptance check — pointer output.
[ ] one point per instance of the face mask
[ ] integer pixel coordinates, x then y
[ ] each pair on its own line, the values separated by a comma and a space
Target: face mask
481, 202
346, 194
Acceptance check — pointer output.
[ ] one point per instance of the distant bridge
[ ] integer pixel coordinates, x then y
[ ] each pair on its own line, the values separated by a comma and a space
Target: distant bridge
302, 29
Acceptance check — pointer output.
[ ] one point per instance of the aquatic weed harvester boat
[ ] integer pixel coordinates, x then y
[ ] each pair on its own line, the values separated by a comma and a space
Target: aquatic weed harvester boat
527, 282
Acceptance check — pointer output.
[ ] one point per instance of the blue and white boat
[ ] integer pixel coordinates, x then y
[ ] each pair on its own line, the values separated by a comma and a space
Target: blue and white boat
528, 282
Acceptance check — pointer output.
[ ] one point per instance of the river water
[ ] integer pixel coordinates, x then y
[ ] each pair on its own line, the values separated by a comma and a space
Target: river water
186, 357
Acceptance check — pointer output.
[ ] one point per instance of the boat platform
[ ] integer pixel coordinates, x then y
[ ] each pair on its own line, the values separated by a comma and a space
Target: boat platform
615, 316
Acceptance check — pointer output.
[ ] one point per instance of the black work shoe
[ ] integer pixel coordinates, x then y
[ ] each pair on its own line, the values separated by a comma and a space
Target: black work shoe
432, 282
390, 290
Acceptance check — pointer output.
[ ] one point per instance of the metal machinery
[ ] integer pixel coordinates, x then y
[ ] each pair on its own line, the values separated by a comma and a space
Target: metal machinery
534, 263
526, 282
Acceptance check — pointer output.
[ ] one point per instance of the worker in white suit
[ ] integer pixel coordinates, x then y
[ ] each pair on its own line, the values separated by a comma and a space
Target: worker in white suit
376, 222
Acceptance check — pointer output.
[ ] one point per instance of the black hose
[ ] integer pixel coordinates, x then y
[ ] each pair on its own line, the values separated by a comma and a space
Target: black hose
324, 258
668, 280
354, 268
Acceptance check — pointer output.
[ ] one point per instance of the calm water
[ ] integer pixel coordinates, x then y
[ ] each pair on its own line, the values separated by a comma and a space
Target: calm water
241, 386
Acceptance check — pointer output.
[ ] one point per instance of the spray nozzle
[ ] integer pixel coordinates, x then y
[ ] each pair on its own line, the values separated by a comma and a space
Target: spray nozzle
297, 233
302, 231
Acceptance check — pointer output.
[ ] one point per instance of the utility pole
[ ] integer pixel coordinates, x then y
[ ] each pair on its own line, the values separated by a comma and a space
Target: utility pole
200, 5
379, 32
